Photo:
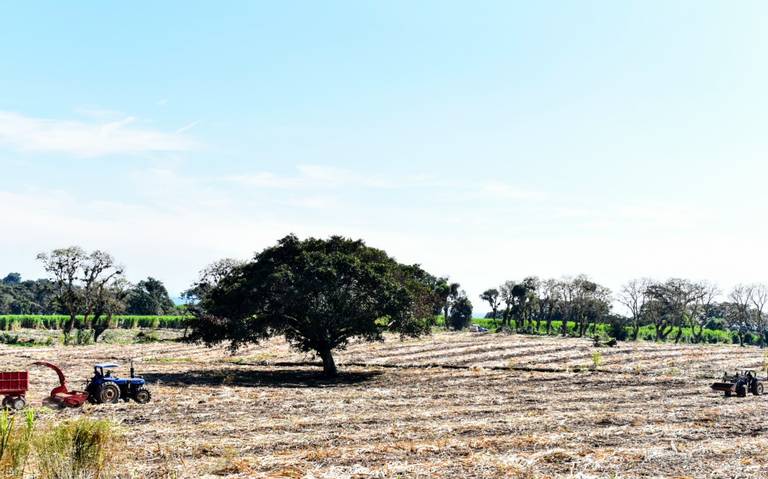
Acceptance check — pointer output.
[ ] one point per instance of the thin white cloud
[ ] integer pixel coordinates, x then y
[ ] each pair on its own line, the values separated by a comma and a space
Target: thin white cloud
500, 190
82, 139
188, 126
319, 177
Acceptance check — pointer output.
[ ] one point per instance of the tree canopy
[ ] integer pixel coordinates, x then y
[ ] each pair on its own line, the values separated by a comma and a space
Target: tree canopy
318, 294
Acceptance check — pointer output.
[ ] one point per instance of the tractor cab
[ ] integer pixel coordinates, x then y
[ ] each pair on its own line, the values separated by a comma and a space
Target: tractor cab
103, 370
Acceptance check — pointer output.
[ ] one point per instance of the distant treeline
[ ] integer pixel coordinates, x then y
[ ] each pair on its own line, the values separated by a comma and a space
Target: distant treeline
676, 309
11, 322
39, 297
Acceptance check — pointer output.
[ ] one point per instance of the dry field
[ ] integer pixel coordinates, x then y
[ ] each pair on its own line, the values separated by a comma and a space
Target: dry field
451, 405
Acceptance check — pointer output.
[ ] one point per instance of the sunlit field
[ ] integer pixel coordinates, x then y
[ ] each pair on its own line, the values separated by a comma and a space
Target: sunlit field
449, 405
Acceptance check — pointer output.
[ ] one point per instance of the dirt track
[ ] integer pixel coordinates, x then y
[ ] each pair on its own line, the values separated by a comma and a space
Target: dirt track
646, 412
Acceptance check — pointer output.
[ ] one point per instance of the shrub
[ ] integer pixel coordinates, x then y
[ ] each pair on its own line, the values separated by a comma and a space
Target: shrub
597, 359
142, 337
74, 449
15, 442
84, 336
617, 330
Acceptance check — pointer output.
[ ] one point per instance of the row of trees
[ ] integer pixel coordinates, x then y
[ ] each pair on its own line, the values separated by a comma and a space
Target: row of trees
677, 303
87, 287
669, 306
532, 303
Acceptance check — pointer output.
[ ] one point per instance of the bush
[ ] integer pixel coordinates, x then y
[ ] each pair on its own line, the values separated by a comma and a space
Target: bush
84, 336
74, 449
142, 337
617, 330
15, 340
597, 359
15, 442
461, 314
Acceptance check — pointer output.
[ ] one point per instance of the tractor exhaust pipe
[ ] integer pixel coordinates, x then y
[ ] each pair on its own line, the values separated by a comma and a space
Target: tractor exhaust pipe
132, 374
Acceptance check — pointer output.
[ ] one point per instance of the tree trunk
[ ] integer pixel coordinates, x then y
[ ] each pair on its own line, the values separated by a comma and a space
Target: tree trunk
100, 327
635, 331
329, 366
69, 325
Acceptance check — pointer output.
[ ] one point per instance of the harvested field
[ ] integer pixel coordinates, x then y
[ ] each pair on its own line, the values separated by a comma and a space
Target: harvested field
450, 405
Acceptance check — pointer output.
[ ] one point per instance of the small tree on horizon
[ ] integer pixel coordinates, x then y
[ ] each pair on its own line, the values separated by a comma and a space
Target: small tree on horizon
491, 296
461, 313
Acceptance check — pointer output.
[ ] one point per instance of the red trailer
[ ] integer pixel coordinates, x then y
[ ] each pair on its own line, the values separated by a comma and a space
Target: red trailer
14, 385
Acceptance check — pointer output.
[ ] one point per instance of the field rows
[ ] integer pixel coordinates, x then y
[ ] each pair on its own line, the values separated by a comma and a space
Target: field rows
646, 412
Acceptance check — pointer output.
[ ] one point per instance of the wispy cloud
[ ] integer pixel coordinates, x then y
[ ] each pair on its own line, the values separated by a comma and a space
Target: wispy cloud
319, 176
188, 126
24, 133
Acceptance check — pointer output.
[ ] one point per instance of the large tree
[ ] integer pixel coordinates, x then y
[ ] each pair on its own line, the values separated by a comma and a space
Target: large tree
318, 294
80, 280
64, 265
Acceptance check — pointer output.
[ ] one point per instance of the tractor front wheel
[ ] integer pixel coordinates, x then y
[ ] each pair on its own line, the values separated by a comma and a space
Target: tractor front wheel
109, 393
142, 396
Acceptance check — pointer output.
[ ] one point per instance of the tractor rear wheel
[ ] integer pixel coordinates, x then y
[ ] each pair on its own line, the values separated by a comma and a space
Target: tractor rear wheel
142, 396
18, 403
758, 389
108, 393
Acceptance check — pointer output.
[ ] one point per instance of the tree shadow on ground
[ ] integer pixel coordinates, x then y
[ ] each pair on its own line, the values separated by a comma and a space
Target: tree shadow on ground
283, 378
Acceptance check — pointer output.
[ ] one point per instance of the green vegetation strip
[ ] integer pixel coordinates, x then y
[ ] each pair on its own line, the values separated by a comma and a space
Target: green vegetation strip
647, 333
10, 322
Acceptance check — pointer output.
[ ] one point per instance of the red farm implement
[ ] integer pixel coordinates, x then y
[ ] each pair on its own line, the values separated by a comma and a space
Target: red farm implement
61, 394
13, 386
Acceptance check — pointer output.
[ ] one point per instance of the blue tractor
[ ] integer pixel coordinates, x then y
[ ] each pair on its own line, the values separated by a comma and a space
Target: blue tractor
104, 388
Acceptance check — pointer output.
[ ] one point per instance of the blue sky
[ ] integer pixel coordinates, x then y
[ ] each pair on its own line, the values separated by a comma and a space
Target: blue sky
486, 140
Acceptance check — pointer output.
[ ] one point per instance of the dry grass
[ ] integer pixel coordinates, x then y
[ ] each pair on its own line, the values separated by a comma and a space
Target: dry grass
445, 406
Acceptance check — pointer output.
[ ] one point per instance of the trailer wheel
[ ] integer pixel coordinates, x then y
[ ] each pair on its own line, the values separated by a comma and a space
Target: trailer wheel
758, 389
7, 402
142, 396
108, 393
18, 403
